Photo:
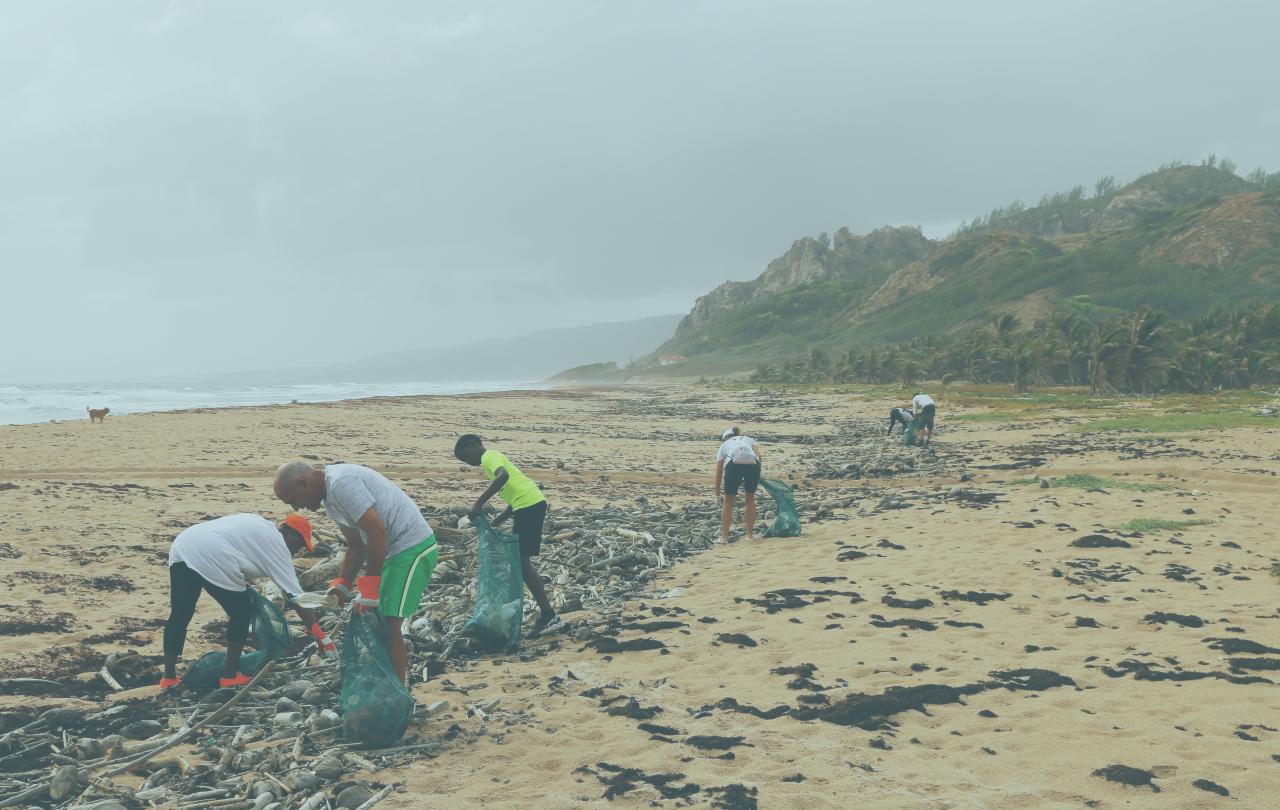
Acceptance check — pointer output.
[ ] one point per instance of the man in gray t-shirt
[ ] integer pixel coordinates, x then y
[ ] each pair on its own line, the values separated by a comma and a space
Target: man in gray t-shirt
386, 535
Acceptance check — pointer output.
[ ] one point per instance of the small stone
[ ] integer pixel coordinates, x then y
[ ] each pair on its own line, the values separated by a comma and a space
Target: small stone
437, 707
284, 704
353, 796
296, 689
329, 768
301, 781
315, 696
262, 787
142, 729
64, 783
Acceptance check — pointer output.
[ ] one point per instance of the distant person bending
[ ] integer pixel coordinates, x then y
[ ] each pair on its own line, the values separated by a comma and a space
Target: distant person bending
899, 416
737, 465
387, 537
526, 506
221, 556
923, 409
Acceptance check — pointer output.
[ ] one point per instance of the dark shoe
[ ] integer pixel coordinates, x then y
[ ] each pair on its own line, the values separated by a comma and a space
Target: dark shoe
546, 625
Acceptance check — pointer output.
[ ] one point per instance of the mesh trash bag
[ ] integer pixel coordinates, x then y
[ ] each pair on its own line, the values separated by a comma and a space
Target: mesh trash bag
375, 706
909, 435
271, 631
787, 523
499, 588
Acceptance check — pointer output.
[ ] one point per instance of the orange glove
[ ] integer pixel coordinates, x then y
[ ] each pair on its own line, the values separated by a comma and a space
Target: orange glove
341, 587
327, 648
368, 588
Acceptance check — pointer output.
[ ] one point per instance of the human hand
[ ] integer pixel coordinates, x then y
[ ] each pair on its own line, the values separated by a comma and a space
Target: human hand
342, 589
323, 643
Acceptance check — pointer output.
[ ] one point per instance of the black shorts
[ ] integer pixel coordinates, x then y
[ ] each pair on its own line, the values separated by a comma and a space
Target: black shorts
527, 525
745, 475
925, 419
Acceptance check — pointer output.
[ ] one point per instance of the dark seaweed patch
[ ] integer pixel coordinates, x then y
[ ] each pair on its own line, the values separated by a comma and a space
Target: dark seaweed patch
1235, 646
977, 597
609, 645
1100, 541
711, 742
911, 624
620, 781
1212, 787
1126, 775
741, 639
1160, 617
906, 604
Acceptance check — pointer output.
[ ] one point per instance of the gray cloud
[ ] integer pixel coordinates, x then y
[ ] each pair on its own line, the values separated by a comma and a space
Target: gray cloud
181, 180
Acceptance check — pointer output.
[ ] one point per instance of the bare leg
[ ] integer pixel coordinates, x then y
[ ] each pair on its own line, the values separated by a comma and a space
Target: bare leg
726, 517
395, 647
750, 499
534, 580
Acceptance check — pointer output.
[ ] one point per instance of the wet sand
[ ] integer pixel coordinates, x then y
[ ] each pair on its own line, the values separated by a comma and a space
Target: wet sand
934, 640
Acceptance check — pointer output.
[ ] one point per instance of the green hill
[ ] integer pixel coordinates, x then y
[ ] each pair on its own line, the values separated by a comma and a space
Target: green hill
1186, 240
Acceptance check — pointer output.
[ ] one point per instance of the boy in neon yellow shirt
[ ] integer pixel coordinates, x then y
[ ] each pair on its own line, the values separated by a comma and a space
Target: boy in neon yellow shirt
528, 510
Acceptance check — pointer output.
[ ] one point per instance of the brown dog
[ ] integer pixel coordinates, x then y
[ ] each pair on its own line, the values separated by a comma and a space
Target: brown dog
98, 414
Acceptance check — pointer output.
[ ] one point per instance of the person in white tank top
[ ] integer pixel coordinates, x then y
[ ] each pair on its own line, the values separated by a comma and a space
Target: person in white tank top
738, 464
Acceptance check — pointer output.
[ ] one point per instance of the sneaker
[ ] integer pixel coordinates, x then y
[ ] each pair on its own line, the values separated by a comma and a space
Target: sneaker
240, 679
169, 683
547, 625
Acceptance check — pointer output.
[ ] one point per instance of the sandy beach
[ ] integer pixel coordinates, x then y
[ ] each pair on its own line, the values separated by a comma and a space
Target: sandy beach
946, 633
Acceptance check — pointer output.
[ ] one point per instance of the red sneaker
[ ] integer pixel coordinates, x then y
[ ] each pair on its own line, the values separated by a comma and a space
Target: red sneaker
169, 683
240, 679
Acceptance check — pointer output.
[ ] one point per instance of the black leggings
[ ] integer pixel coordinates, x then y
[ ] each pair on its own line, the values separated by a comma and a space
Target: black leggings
184, 590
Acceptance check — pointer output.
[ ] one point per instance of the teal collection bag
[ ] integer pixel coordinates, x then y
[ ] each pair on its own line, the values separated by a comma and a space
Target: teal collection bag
375, 706
499, 609
272, 633
787, 523
909, 435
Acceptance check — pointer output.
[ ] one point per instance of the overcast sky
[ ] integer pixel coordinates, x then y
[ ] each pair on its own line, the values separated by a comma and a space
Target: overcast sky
190, 186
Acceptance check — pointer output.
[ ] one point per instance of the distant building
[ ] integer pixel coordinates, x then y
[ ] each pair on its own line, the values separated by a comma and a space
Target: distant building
671, 359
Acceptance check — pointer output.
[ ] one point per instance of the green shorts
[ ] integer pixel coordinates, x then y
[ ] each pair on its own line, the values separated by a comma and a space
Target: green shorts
405, 577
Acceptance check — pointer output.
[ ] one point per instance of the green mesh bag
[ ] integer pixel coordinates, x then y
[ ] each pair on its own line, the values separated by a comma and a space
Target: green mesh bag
499, 588
375, 706
909, 435
269, 629
787, 523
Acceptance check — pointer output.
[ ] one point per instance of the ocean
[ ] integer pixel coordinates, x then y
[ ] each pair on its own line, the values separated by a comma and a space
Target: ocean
27, 404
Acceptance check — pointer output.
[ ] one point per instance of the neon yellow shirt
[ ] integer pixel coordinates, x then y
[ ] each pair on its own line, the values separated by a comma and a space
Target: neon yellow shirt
520, 492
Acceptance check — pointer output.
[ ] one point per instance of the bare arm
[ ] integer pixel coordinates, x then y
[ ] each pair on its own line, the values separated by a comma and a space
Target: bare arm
354, 558
495, 486
719, 475
307, 616
506, 513
376, 545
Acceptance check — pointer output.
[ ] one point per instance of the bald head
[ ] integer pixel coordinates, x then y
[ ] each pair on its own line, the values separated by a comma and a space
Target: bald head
300, 485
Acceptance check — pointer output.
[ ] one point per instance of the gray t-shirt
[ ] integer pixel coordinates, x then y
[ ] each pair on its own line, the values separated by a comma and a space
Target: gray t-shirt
350, 490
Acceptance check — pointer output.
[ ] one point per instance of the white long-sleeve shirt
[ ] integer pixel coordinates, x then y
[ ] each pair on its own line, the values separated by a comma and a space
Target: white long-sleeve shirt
229, 551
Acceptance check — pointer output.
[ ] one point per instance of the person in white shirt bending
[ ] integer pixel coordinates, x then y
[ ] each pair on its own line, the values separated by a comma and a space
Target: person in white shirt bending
923, 409
221, 556
737, 465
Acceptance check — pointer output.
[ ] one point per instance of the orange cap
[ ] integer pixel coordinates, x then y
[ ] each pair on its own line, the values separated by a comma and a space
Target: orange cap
303, 527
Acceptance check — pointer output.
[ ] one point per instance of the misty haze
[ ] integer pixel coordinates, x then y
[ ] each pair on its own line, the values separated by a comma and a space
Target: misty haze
738, 405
